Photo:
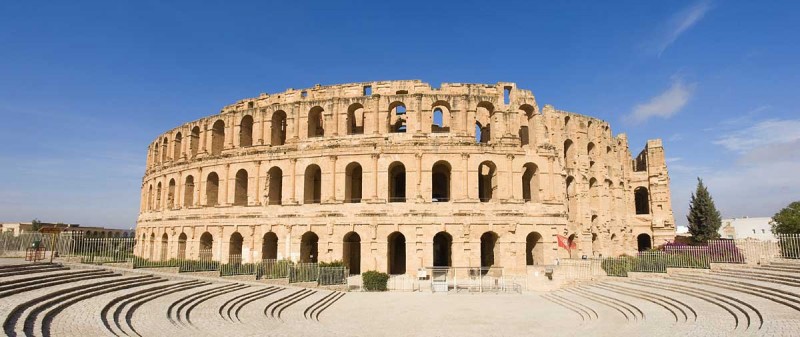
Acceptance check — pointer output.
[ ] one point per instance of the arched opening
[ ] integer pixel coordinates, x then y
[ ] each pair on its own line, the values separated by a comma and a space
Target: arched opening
278, 128
351, 252
181, 246
164, 150
396, 253
594, 240
569, 154
615, 245
171, 194
397, 182
164, 247
526, 113
590, 154
478, 128
487, 181
206, 246
594, 194
217, 137
152, 254
212, 189
488, 243
235, 248
313, 185
269, 246
309, 248
353, 183
150, 198
158, 196
442, 249
438, 125
355, 119
643, 242
530, 183
315, 123
572, 200
397, 117
534, 249
275, 188
194, 141
240, 191
246, 131
440, 182
642, 199
483, 118
188, 192
176, 146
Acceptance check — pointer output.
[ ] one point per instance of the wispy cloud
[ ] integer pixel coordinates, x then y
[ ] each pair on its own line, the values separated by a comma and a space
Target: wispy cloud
769, 132
680, 23
665, 104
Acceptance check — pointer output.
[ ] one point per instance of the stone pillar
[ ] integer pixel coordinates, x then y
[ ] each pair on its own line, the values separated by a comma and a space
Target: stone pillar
198, 182
418, 113
226, 181
256, 183
418, 155
463, 193
335, 109
375, 157
332, 174
376, 116
178, 197
293, 175
510, 179
230, 125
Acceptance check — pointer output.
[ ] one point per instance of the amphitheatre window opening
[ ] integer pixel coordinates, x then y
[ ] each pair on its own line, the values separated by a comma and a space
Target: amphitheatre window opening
353, 183
643, 242
150, 198
194, 141
188, 192
206, 246
152, 254
351, 252
483, 117
217, 137
165, 147
569, 153
397, 115
278, 128
269, 246
315, 123
440, 182
396, 254
313, 185
367, 90
642, 200
158, 196
590, 150
355, 119
438, 120
176, 146
526, 113
572, 201
182, 246
240, 191
304, 94
164, 247
487, 181
397, 182
249, 105
488, 243
171, 194
275, 189
309, 248
530, 183
594, 239
506, 95
235, 248
156, 157
212, 189
246, 131
442, 249
640, 163
534, 249
402, 92
524, 135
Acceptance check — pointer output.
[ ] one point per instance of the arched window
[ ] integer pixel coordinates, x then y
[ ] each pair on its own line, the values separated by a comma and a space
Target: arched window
315, 123
269, 246
206, 247
530, 183
156, 157
171, 194
150, 198
176, 148
442, 249
246, 131
158, 197
642, 200
643, 242
590, 153
278, 128
152, 254
164, 150
275, 188
309, 248
181, 246
526, 113
212, 189
569, 154
353, 183
440, 182
240, 191
235, 248
351, 252
487, 181
397, 117
313, 185
217, 137
488, 243
483, 117
164, 247
397, 182
396, 253
572, 200
438, 121
188, 192
194, 142
534, 249
355, 119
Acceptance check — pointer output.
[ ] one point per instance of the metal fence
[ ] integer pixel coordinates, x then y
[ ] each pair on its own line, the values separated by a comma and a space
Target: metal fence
16, 246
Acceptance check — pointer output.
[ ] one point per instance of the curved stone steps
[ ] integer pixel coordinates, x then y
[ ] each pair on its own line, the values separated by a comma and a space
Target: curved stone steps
283, 306
275, 308
315, 309
192, 306
789, 280
34, 269
780, 296
14, 281
225, 309
173, 311
566, 305
6, 267
655, 301
52, 282
783, 269
616, 307
141, 301
632, 308
688, 314
244, 302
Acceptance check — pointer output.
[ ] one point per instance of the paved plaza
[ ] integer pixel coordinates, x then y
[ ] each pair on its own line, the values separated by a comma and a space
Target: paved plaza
72, 300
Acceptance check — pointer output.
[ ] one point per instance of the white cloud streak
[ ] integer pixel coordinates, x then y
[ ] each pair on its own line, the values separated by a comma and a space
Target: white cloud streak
665, 104
680, 23
766, 133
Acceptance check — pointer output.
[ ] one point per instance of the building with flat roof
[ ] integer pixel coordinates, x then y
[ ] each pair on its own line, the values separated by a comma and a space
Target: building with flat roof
747, 228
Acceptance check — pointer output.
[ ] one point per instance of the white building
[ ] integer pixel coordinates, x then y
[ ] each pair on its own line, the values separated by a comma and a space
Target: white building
747, 228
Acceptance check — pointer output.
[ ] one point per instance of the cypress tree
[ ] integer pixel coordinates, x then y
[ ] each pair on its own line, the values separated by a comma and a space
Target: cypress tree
704, 219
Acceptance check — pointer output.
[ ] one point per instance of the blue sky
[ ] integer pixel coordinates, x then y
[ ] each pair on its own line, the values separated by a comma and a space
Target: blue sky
84, 87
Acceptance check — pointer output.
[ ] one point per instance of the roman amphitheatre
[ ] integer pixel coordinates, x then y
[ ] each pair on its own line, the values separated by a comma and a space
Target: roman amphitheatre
490, 214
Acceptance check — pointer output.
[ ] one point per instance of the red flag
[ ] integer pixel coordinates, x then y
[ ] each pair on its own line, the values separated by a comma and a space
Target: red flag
563, 242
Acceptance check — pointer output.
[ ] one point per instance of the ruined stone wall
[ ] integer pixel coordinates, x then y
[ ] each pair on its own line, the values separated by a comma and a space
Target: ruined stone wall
476, 158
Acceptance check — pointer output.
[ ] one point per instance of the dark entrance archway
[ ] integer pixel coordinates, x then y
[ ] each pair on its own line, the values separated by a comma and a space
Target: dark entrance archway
351, 252
488, 242
269, 247
309, 248
644, 242
396, 253
442, 248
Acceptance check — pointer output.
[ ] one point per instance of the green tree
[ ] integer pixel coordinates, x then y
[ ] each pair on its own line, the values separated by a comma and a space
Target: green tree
704, 219
36, 224
787, 221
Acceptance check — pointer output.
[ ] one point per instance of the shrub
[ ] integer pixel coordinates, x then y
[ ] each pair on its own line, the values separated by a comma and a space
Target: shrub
334, 263
374, 280
231, 269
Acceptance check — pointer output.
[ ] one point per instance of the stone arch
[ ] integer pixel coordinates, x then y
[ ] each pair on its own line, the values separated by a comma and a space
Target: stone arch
571, 196
188, 191
158, 196
181, 246
176, 146
353, 185
275, 188
164, 247
269, 246
442, 250
206, 247
642, 200
534, 249
150, 198
487, 181
397, 182
396, 253
312, 186
212, 189
569, 154
156, 157
152, 254
594, 194
309, 247
595, 243
240, 189
488, 245
246, 131
351, 252
217, 137
194, 141
590, 152
164, 150
526, 112
440, 181
643, 242
316, 126
278, 128
397, 117
355, 119
530, 183
235, 248
171, 194
483, 117
441, 118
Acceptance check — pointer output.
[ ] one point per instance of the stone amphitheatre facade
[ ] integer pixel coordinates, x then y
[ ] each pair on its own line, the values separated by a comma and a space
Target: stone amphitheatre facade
397, 175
